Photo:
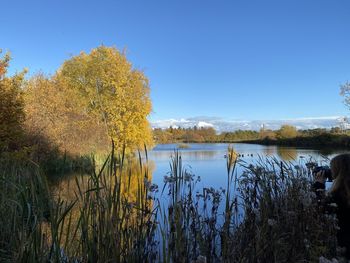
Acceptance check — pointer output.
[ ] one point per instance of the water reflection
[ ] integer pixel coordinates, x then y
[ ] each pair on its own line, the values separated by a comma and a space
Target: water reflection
121, 194
68, 186
112, 204
269, 151
194, 154
287, 154
207, 160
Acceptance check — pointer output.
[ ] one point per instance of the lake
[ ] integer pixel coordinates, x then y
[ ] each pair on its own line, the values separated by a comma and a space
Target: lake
207, 160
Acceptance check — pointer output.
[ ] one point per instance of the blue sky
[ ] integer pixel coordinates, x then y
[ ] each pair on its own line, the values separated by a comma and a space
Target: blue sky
245, 60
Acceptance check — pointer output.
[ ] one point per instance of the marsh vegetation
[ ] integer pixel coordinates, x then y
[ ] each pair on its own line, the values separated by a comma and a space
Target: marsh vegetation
117, 214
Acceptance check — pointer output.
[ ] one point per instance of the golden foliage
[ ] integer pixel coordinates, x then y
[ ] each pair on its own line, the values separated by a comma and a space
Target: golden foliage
287, 131
105, 86
92, 99
11, 106
52, 112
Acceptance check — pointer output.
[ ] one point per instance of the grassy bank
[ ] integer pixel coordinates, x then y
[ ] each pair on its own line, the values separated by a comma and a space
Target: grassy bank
266, 214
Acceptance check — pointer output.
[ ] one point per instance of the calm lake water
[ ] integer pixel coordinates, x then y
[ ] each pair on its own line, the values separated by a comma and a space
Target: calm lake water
207, 160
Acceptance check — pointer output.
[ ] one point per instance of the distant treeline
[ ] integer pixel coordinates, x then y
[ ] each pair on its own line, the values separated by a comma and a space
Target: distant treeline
311, 138
203, 134
287, 135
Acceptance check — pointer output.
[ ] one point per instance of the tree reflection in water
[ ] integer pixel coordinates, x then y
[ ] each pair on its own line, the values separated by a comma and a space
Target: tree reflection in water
112, 207
287, 154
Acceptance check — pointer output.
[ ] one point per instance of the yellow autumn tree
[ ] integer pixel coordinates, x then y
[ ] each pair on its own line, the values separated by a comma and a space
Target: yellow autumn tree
105, 86
287, 131
54, 114
44, 108
11, 107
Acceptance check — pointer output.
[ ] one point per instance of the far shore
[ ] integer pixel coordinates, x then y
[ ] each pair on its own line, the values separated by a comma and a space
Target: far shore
339, 141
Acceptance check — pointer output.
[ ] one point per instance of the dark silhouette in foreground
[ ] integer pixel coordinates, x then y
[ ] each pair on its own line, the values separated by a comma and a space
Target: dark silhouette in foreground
337, 199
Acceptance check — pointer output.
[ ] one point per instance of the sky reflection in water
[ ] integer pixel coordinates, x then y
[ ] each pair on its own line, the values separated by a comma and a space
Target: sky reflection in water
208, 160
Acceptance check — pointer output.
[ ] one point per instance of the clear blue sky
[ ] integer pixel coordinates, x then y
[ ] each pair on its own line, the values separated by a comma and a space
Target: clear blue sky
232, 59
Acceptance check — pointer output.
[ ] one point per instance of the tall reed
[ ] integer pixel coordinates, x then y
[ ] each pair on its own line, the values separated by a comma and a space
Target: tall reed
24, 203
282, 221
267, 213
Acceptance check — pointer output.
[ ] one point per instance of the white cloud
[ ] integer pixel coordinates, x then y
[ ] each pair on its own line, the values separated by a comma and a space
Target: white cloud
222, 125
204, 124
